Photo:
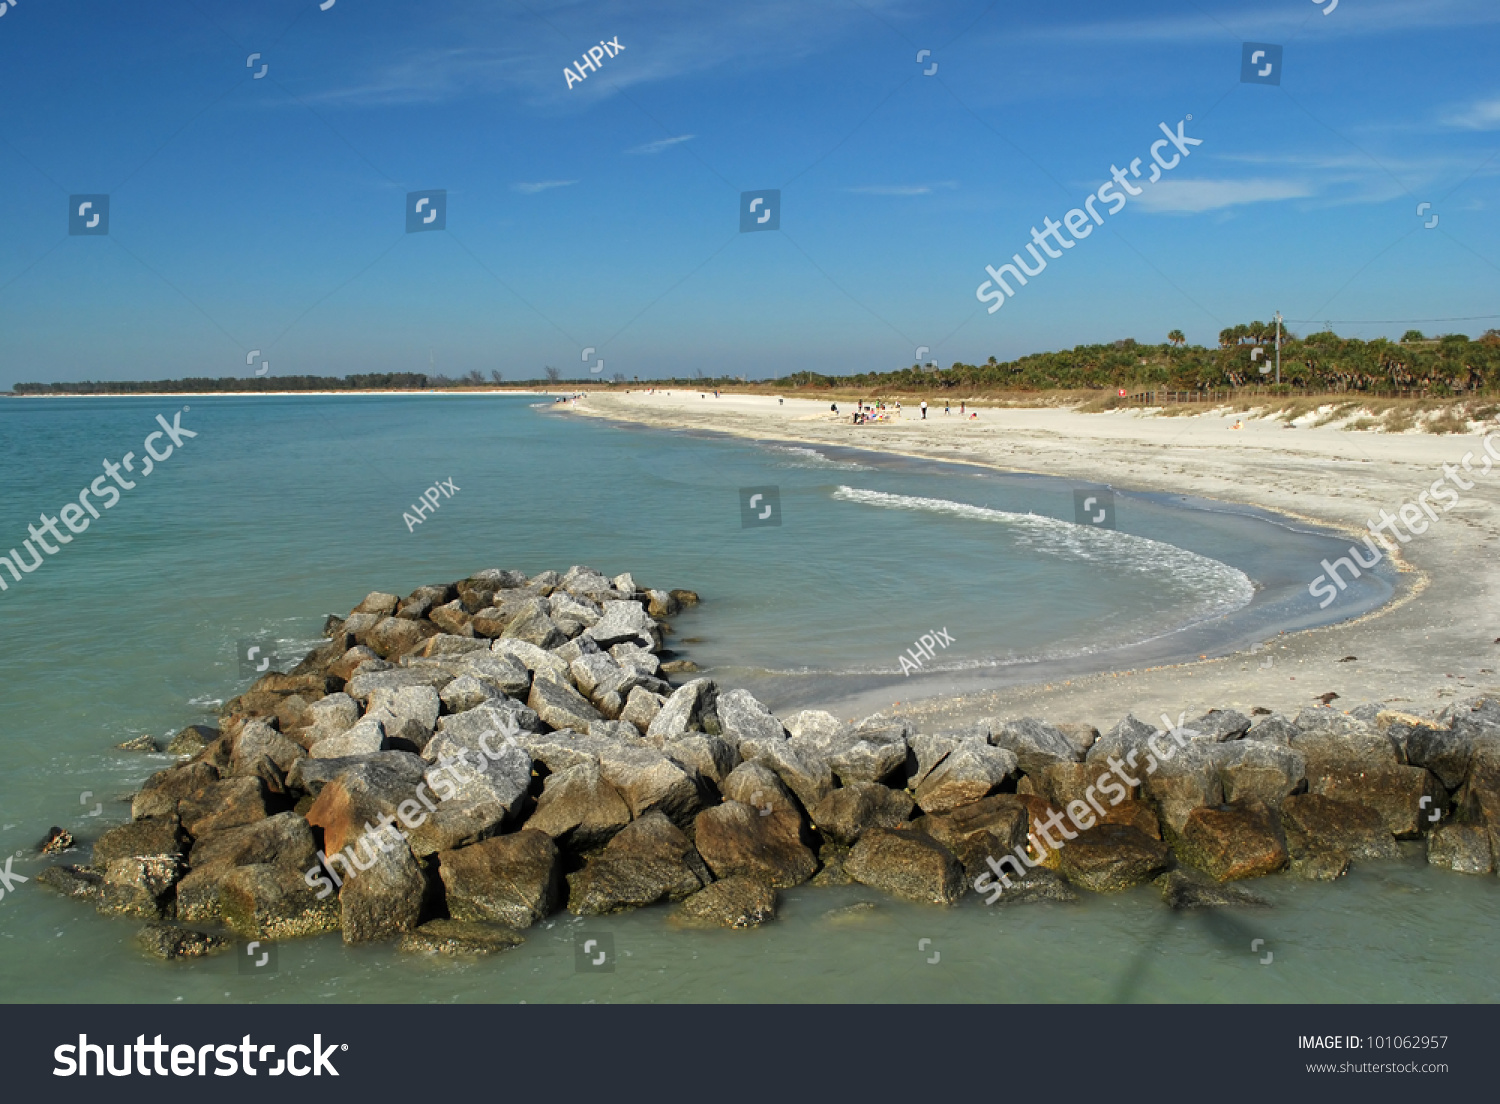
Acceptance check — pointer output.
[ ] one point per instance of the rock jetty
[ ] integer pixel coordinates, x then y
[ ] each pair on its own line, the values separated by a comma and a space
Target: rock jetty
454, 766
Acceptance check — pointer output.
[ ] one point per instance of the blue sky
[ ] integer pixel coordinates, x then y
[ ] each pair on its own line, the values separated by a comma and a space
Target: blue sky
269, 213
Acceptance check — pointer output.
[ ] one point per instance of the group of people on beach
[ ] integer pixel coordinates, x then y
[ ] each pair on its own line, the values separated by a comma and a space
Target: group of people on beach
878, 411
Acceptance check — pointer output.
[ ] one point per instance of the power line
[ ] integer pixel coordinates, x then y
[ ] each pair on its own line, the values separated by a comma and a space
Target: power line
1392, 321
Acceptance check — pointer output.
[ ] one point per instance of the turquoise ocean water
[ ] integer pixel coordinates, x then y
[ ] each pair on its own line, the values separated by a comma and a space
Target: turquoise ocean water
282, 510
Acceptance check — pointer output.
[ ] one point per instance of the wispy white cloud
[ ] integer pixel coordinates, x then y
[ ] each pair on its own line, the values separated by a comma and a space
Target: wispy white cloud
902, 189
1481, 115
662, 143
542, 186
1372, 17
1194, 196
477, 49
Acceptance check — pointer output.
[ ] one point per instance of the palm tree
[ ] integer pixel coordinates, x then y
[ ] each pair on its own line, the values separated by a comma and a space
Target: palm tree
553, 374
1176, 337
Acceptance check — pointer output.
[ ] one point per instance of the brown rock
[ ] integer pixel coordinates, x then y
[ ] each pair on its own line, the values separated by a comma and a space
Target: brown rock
152, 836
1112, 857
226, 804
1324, 834
272, 902
907, 864
509, 879
849, 810
394, 636
648, 861
734, 838
1234, 841
459, 939
732, 903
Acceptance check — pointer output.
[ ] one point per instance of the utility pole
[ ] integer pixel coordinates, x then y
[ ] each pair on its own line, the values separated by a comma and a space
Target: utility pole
1278, 347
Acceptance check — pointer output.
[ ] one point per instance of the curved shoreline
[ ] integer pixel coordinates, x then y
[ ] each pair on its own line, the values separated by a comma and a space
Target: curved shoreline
1451, 626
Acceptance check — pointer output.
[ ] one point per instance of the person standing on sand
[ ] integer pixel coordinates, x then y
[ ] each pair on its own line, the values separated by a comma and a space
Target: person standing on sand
924, 410
960, 410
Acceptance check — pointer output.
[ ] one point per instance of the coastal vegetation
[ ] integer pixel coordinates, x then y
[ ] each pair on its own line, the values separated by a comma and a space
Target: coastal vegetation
1453, 366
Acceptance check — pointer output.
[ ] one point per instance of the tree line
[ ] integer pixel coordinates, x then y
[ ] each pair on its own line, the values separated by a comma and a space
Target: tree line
1450, 365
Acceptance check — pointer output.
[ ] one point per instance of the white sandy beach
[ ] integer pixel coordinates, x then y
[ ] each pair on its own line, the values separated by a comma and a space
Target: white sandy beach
1434, 644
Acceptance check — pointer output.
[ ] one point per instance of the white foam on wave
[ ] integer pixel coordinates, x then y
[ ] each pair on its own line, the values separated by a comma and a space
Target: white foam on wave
1217, 587
796, 456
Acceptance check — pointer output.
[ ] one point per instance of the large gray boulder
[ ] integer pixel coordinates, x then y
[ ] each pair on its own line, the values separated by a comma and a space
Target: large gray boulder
467, 692
501, 670
625, 623
311, 775
368, 681
1275, 729
810, 778
710, 756
1129, 735
691, 708
560, 706
1188, 780
1261, 771
365, 737
537, 660
969, 772
758, 786
651, 782
533, 625
479, 793
743, 718
650, 860
258, 740
1219, 725
579, 809
409, 713
641, 708
1035, 744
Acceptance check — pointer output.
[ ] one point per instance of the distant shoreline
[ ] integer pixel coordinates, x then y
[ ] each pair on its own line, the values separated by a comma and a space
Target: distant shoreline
265, 394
